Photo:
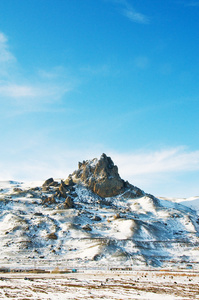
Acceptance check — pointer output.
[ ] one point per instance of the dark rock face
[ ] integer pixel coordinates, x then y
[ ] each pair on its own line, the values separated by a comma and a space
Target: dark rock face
69, 182
101, 176
87, 228
68, 202
48, 182
52, 236
17, 190
49, 200
62, 190
96, 218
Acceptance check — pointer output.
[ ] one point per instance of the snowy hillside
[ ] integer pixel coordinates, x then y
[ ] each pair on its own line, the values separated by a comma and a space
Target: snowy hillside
192, 202
67, 224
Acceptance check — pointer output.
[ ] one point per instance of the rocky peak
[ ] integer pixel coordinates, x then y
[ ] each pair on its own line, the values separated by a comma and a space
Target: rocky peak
101, 176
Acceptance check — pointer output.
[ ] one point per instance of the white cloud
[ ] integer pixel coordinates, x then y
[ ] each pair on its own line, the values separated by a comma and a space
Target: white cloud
3, 38
168, 172
135, 16
5, 54
30, 91
130, 165
131, 13
165, 172
17, 91
164, 161
40, 163
40, 88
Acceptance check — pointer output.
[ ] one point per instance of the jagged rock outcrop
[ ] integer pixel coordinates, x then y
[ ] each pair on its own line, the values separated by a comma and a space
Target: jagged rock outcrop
52, 236
50, 182
49, 200
99, 175
62, 192
102, 177
68, 202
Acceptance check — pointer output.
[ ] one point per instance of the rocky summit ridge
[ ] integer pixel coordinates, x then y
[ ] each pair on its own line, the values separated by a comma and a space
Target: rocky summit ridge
94, 218
102, 177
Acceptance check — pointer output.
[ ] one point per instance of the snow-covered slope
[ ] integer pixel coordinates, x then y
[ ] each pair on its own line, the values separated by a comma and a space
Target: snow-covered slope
192, 202
68, 225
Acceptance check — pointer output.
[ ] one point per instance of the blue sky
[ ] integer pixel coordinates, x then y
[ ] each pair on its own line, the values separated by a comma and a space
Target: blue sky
83, 77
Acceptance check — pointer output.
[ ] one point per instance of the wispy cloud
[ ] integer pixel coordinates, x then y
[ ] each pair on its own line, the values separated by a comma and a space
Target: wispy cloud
40, 88
8, 61
5, 54
135, 16
163, 172
58, 162
146, 169
169, 172
131, 13
20, 91
169, 160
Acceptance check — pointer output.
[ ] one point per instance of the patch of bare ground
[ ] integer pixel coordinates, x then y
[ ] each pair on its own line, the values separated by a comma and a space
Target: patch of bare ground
181, 290
190, 292
116, 286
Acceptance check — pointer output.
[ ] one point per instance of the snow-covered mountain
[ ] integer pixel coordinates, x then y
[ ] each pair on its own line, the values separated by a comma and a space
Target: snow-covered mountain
94, 219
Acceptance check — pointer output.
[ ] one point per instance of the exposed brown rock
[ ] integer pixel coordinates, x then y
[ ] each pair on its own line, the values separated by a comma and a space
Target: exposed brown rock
63, 190
52, 236
133, 192
69, 181
48, 182
101, 176
117, 216
96, 218
49, 200
17, 190
45, 188
54, 184
68, 202
87, 228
